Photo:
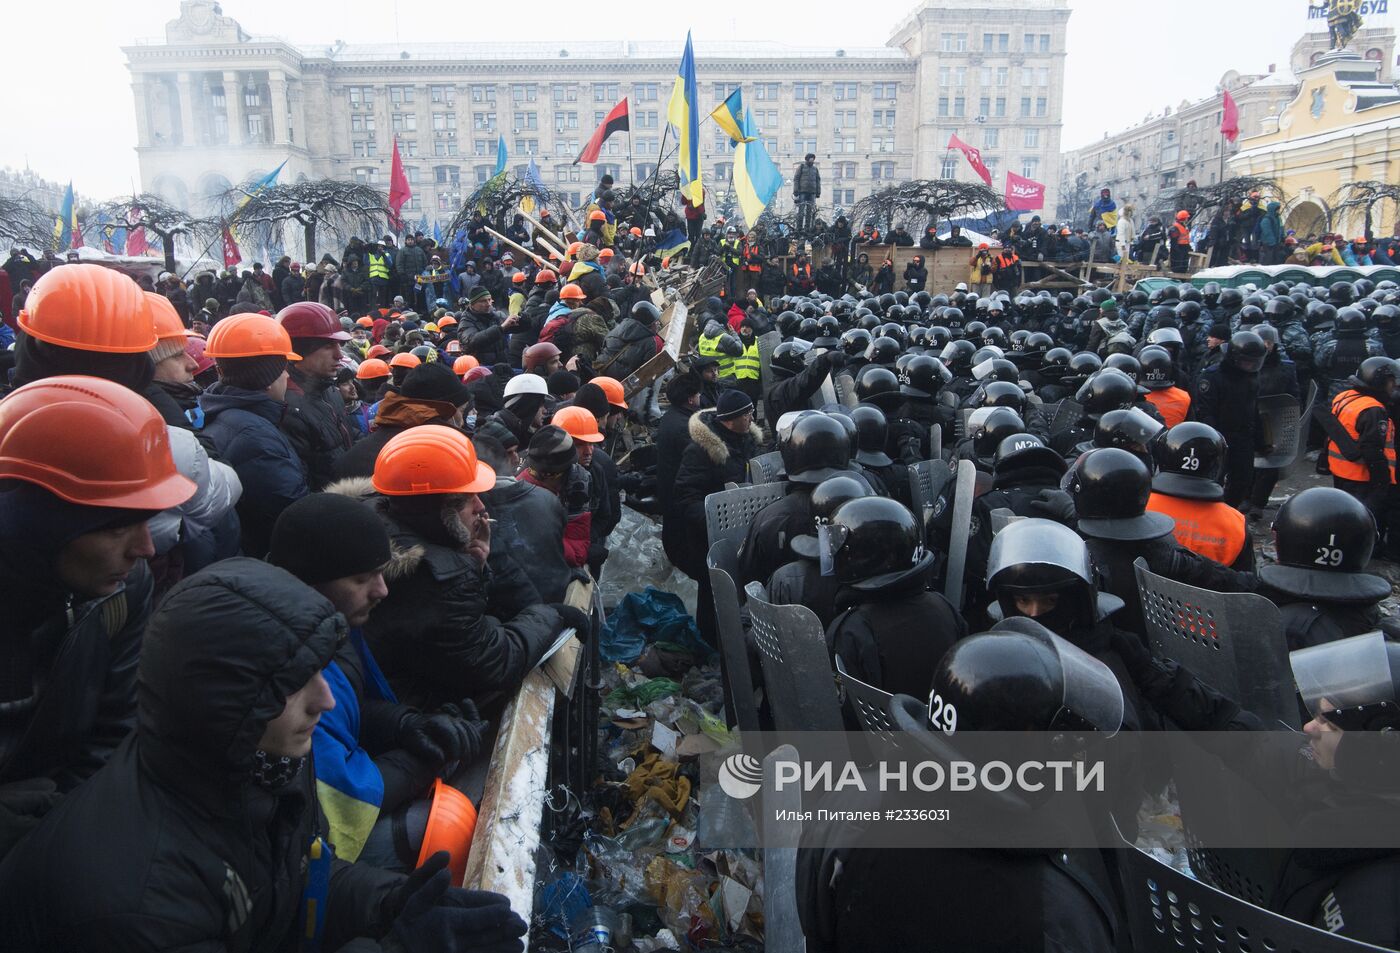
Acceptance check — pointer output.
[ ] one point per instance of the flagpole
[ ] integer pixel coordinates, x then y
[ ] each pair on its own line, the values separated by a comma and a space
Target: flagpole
631, 161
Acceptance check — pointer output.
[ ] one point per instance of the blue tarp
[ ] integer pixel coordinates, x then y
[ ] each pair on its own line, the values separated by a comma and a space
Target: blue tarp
642, 618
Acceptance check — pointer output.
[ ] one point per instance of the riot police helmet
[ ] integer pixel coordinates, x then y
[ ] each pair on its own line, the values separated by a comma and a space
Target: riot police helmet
1111, 487
814, 447
875, 541
1246, 351
924, 377
1158, 368
1190, 461
1041, 569
1324, 539
1106, 390
878, 385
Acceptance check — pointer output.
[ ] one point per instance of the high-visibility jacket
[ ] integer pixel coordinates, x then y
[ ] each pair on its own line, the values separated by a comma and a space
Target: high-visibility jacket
1214, 530
1179, 234
801, 274
1172, 403
1347, 407
746, 366
378, 266
730, 250
709, 347
753, 258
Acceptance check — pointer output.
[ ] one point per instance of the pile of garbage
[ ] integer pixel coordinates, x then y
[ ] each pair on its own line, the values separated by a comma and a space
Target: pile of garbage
645, 860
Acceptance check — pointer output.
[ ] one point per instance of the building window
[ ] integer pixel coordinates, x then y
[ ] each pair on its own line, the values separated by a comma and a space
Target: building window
566, 172
765, 91
399, 95
844, 119
648, 119
529, 147
844, 196
523, 92
447, 175
646, 92
845, 144
882, 170
444, 121
411, 173
605, 92
944, 107
722, 171
723, 90
885, 90
806, 91
484, 122
1045, 43
882, 143
803, 146
991, 138
216, 97
993, 165
566, 146
360, 96
366, 174
1030, 167
1025, 106
483, 173
647, 145
444, 147
362, 122
996, 42
527, 120
1032, 137
404, 122
845, 91
410, 148
999, 108
481, 94
844, 170
447, 95
1003, 74
255, 127
564, 93
1042, 106
948, 168
883, 118
959, 107
953, 42
984, 106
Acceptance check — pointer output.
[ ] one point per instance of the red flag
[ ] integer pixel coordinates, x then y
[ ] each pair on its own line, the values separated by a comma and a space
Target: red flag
1230, 118
136, 244
615, 121
399, 192
974, 158
1022, 194
232, 255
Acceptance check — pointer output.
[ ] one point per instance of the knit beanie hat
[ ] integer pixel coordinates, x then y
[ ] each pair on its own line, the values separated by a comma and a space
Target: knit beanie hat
562, 382
167, 348
732, 403
498, 432
325, 536
1221, 331
478, 293
251, 373
592, 399
551, 451
435, 381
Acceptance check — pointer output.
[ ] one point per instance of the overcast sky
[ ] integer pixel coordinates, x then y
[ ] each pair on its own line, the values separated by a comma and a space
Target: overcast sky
69, 112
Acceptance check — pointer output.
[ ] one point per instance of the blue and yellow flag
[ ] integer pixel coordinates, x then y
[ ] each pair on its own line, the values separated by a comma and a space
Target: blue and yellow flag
729, 116
532, 175
683, 113
65, 225
756, 176
501, 157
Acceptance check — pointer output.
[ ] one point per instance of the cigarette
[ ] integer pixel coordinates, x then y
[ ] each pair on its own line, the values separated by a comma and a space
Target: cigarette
490, 520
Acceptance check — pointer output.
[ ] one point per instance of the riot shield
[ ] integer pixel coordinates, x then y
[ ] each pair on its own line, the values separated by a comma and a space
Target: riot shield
728, 513
1067, 414
1279, 422
961, 530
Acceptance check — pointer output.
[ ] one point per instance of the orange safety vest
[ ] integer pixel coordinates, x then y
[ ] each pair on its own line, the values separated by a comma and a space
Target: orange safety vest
1180, 234
753, 258
801, 273
1172, 403
1347, 407
1213, 530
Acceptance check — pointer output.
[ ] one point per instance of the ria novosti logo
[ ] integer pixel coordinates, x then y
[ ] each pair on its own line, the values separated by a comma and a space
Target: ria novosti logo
741, 776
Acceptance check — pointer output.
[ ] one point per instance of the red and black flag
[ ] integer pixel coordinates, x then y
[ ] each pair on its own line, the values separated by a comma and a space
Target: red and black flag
615, 121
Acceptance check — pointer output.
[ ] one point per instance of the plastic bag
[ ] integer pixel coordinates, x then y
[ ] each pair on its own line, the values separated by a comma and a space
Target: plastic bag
650, 616
637, 560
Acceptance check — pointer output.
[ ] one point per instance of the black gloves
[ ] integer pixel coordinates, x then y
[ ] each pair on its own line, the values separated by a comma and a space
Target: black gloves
452, 734
576, 618
435, 916
1055, 505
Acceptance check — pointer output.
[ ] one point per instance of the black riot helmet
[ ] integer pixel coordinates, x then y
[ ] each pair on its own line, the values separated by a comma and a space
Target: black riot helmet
1319, 315
1166, 337
1188, 312
886, 301
1083, 364
1231, 300
871, 434
828, 331
1034, 557
924, 377
1004, 394
1057, 359
953, 319
1325, 537
1191, 293
994, 335
1130, 429
855, 342
1246, 351
789, 358
1341, 293
808, 329
891, 329
1250, 315
1190, 460
1127, 364
938, 337
882, 350
901, 363
1106, 390
1111, 488
995, 369
1018, 677
867, 322
787, 323
1039, 343
1018, 340
1158, 368
646, 312
1350, 319
974, 330
877, 385
1210, 292
986, 353
957, 356
1137, 299
1387, 316
875, 541
814, 447
1358, 677
1023, 451
989, 426
1375, 371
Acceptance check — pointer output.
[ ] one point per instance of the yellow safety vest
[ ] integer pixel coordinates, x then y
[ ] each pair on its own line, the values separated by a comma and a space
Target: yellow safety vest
746, 367
378, 266
709, 347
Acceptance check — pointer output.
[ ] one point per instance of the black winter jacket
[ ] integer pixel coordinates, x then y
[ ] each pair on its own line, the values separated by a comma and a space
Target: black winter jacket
530, 322
767, 545
482, 337
796, 392
672, 437
315, 424
529, 531
714, 457
628, 346
174, 845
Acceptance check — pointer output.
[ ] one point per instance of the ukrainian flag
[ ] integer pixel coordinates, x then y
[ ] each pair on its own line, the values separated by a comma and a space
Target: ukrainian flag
65, 225
501, 158
683, 113
756, 176
729, 116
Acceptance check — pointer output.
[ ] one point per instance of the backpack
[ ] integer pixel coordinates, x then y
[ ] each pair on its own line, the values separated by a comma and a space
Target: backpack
560, 332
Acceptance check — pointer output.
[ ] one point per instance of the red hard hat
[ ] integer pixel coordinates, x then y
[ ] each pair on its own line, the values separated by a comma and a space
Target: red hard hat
451, 824
537, 354
1183, 215
463, 364
597, 215
605, 254
572, 292
89, 308
546, 277
92, 442
378, 350
311, 319
518, 278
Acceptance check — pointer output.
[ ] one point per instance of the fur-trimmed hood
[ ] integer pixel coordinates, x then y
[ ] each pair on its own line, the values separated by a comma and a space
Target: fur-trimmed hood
706, 432
403, 560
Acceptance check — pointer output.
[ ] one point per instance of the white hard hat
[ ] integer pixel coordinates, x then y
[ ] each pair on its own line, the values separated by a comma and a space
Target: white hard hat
526, 384
962, 286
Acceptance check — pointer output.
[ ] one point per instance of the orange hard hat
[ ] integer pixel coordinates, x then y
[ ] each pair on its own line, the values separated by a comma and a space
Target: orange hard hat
605, 254
378, 350
597, 215
636, 232
365, 322
451, 824
250, 335
573, 248
372, 370
578, 423
463, 364
447, 321
638, 268
572, 292
165, 318
518, 278
612, 389
89, 308
982, 247
1183, 215
404, 359
92, 442
430, 460
546, 277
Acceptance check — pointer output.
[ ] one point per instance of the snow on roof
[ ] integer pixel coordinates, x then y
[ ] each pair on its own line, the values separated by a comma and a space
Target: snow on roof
1276, 78
594, 50
1319, 139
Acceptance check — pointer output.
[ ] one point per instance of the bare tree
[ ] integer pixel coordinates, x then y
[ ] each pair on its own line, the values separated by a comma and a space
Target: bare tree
1206, 200
158, 217
328, 207
24, 221
1364, 196
499, 199
919, 203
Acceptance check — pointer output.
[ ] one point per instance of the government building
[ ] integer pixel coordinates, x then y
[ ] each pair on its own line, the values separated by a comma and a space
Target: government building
217, 105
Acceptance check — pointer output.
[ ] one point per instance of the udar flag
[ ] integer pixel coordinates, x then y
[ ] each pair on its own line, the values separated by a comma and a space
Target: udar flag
615, 121
974, 158
1022, 194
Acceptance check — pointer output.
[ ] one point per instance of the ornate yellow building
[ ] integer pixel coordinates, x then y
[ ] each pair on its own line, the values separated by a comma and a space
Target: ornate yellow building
1342, 127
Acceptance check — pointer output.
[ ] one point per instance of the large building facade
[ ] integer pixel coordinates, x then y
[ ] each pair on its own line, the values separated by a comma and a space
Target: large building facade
216, 106
1146, 164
